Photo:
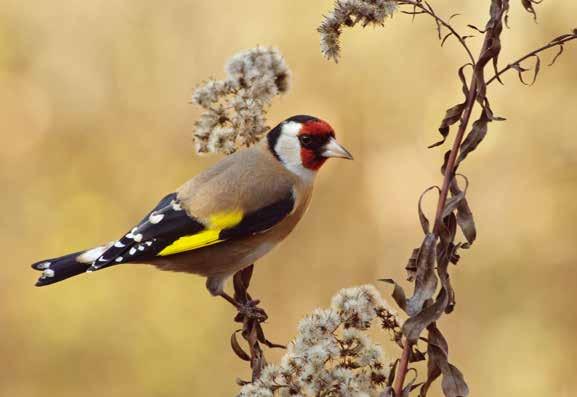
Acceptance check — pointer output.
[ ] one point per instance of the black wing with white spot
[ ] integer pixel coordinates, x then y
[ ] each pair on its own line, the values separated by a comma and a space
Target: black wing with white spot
166, 223
169, 230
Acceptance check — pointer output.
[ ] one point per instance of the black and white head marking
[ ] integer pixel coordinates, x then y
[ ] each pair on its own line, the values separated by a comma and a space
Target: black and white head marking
283, 142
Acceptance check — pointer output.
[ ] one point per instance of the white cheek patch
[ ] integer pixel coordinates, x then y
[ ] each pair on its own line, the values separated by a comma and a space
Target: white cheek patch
288, 148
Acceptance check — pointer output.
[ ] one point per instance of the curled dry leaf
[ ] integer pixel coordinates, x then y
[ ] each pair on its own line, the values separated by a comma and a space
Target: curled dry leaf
478, 131
414, 326
398, 293
411, 266
445, 38
425, 278
476, 28
422, 217
536, 69
464, 214
559, 52
453, 383
446, 250
461, 74
456, 197
238, 350
528, 4
452, 115
411, 385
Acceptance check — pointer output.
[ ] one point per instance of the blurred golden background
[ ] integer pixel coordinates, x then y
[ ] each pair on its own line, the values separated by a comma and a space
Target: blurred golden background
96, 127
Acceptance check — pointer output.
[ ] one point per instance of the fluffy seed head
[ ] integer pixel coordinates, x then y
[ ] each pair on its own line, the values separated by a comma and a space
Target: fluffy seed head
349, 13
235, 108
330, 356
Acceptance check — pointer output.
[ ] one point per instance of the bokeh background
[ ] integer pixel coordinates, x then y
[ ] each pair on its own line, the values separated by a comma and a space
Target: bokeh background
96, 127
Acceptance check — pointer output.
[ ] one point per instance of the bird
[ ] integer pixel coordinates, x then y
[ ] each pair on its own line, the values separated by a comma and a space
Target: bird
224, 218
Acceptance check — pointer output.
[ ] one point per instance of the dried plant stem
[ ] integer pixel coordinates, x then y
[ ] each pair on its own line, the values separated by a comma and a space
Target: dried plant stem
402, 370
447, 179
429, 10
450, 169
547, 46
251, 316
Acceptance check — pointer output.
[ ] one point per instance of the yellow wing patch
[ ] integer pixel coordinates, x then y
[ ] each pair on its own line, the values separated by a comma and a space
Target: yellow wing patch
209, 236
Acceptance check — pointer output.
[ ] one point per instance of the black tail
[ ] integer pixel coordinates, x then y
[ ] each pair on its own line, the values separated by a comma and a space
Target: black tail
58, 269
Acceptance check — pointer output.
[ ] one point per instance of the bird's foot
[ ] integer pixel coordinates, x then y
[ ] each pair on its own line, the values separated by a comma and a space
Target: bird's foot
247, 309
250, 311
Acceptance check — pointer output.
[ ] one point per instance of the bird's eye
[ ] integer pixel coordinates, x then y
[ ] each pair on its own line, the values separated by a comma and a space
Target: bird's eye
305, 140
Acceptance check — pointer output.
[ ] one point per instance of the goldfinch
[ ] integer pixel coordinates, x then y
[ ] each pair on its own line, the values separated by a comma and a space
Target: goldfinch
226, 217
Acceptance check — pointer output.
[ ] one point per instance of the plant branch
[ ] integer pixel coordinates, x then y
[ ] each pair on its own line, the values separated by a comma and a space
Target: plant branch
557, 42
251, 317
447, 180
402, 369
424, 10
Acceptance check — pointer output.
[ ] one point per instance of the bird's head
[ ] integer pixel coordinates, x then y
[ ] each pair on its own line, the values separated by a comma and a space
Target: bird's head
304, 143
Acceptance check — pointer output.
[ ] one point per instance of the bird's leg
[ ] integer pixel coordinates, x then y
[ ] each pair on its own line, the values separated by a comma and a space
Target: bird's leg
229, 299
251, 316
248, 309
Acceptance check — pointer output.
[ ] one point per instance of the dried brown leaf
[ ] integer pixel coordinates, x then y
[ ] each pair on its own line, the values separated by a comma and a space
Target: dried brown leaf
464, 215
452, 115
476, 28
528, 4
437, 350
238, 350
414, 326
398, 293
475, 137
453, 383
463, 79
241, 282
411, 266
422, 217
561, 48
425, 278
520, 70
536, 69
445, 38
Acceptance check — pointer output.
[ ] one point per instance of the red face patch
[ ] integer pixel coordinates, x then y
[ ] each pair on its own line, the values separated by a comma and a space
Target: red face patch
311, 159
317, 127
314, 135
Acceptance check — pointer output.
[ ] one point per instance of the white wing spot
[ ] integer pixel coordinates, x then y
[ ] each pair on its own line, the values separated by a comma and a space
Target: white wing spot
141, 247
176, 206
155, 218
118, 244
48, 273
149, 243
138, 237
132, 251
131, 233
119, 259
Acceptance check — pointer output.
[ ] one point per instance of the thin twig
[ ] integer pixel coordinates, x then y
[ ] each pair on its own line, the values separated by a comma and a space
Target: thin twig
419, 5
531, 54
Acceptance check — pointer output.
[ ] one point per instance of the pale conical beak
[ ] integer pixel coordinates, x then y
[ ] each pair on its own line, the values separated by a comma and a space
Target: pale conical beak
333, 149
